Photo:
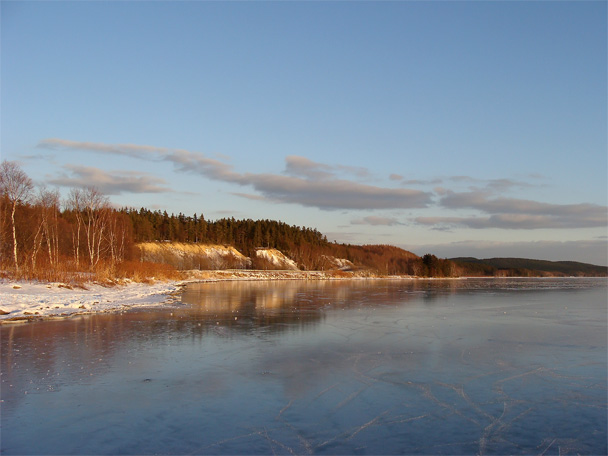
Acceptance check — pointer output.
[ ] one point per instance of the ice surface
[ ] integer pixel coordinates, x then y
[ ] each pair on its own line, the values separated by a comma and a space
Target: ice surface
418, 367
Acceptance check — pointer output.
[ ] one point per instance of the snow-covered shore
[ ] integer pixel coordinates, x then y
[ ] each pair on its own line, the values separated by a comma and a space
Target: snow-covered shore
34, 300
22, 301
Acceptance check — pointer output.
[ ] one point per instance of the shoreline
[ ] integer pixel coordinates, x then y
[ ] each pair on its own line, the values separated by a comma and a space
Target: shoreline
24, 302
28, 301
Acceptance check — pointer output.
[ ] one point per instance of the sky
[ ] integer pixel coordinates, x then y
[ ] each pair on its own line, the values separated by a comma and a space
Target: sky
453, 128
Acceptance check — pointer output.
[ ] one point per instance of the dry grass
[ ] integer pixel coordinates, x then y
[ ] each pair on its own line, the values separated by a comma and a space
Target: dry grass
145, 271
104, 272
63, 272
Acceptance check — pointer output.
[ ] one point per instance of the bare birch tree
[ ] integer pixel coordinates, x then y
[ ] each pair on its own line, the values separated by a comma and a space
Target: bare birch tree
91, 208
116, 236
4, 206
47, 203
17, 187
74, 203
36, 245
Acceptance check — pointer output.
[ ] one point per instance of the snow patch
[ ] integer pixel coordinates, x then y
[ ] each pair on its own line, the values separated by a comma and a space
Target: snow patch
276, 259
330, 262
24, 300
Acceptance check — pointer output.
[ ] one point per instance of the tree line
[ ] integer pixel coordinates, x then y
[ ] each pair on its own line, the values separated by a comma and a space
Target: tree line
41, 234
244, 235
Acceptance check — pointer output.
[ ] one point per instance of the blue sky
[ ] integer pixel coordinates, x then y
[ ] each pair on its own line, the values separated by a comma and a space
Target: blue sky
457, 128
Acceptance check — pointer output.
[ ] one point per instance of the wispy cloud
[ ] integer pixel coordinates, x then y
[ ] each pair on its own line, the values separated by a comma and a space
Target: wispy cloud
501, 212
376, 221
303, 167
334, 193
434, 181
509, 221
132, 150
512, 213
306, 182
249, 196
110, 183
478, 200
312, 184
298, 166
472, 183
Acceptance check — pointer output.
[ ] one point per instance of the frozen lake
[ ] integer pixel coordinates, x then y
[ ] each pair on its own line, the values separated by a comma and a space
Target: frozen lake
513, 366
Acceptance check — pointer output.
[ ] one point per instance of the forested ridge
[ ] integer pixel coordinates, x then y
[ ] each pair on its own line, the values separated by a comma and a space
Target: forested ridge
245, 235
309, 248
46, 237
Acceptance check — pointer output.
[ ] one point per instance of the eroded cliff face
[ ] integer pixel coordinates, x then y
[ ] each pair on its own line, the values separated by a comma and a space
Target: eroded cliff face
194, 256
185, 256
330, 262
273, 259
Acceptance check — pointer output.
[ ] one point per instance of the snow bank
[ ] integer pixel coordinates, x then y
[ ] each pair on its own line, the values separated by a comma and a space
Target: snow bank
24, 300
337, 263
276, 259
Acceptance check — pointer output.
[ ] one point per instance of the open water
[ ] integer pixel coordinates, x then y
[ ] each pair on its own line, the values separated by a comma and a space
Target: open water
509, 366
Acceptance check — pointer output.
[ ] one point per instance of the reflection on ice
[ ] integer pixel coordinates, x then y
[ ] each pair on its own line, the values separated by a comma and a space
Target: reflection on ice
357, 367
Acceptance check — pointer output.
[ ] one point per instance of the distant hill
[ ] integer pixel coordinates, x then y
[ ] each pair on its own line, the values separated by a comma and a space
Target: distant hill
527, 267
